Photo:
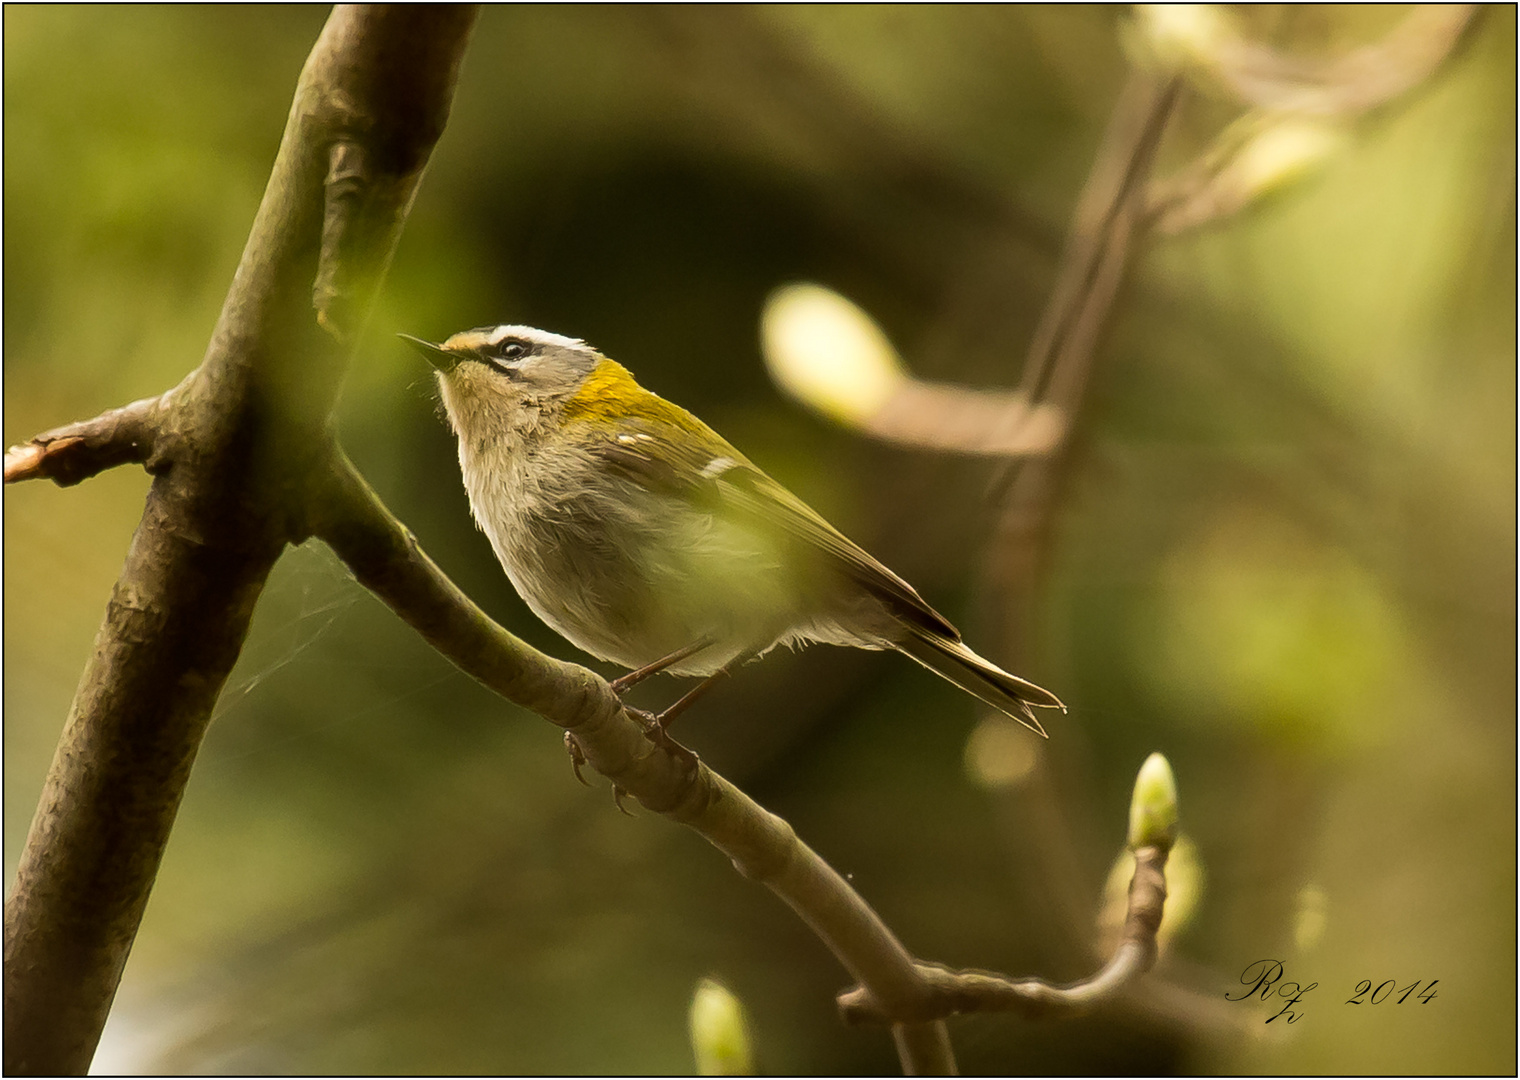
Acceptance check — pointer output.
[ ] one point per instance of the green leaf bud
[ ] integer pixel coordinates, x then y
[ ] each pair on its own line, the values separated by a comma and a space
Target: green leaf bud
1153, 809
720, 1037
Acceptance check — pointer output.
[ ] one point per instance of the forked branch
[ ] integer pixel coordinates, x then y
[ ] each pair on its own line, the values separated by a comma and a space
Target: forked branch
227, 446
244, 464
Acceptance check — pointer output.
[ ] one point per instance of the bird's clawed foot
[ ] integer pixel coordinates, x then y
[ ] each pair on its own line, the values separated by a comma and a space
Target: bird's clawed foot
654, 730
655, 727
577, 757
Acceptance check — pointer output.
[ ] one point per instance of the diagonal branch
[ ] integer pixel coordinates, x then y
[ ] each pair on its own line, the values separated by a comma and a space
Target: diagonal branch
385, 558
1062, 346
228, 445
245, 463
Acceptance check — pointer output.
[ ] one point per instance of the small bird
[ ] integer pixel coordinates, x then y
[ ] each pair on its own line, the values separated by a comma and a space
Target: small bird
641, 535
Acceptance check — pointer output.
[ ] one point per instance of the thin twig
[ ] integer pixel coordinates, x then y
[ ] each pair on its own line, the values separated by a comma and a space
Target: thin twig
1061, 354
1079, 302
962, 419
1298, 108
955, 992
1362, 79
1035, 419
924, 1049
1059, 363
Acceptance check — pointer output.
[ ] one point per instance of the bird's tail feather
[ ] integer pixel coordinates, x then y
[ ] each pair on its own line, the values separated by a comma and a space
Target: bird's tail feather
1007, 693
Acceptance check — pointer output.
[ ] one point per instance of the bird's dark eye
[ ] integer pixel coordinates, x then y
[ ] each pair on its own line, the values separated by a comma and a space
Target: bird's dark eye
513, 350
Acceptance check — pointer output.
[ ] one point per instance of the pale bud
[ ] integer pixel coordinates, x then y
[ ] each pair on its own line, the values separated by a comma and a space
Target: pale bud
1280, 153
1153, 807
1184, 35
828, 353
719, 1032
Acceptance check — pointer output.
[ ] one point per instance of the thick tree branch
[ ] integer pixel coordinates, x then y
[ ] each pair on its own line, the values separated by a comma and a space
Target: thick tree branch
245, 463
228, 446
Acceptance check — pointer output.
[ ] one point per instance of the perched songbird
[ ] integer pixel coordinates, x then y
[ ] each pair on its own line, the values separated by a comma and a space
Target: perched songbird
640, 534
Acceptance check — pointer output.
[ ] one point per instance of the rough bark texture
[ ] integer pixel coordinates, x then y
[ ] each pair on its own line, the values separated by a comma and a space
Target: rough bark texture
244, 463
232, 445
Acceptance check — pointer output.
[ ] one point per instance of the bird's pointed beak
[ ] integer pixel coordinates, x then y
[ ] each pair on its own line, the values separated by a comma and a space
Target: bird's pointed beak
437, 355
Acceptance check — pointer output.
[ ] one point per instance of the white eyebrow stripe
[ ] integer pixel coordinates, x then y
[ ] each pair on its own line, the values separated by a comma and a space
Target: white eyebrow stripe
531, 333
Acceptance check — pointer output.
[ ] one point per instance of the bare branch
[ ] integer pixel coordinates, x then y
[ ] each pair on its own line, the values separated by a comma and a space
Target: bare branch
954, 992
1298, 109
385, 559
78, 451
873, 394
1061, 354
250, 466
1057, 367
967, 420
1360, 80
924, 1049
238, 435
245, 464
1079, 302
833, 357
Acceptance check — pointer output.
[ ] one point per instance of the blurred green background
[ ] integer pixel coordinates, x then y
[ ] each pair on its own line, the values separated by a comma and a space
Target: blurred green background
1284, 554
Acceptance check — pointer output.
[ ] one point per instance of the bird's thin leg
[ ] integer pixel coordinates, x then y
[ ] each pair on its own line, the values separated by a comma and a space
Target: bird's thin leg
652, 723
624, 683
665, 718
657, 726
689, 699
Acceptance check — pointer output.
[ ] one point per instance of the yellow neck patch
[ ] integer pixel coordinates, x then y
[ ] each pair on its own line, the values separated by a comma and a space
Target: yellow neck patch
610, 394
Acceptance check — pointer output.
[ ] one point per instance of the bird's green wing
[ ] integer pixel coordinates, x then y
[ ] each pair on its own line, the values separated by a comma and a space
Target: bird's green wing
708, 471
